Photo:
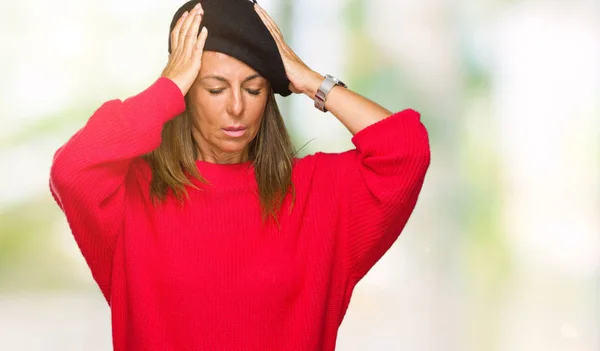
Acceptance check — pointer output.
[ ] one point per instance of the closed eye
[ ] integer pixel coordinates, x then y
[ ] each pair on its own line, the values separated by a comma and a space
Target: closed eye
219, 91
254, 92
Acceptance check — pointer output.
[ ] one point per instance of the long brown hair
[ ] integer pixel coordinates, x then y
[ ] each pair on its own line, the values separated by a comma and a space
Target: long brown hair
271, 151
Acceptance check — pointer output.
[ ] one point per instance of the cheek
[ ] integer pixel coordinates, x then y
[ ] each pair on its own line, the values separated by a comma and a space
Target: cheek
256, 112
208, 110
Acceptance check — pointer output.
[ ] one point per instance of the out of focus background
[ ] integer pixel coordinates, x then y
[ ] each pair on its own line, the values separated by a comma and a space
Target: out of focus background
503, 250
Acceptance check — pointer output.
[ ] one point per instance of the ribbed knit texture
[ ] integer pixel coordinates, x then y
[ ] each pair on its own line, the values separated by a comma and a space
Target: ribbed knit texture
209, 275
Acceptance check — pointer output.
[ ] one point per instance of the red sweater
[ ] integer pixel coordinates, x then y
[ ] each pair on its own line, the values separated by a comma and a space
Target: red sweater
208, 275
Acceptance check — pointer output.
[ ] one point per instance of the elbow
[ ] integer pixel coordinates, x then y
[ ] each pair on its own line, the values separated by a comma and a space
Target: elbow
418, 164
420, 153
57, 180
423, 156
60, 172
55, 169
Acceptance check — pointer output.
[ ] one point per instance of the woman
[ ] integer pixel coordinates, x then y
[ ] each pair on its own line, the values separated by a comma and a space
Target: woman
201, 228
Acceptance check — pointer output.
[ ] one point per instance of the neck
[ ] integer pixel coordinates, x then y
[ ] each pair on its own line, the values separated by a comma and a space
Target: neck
223, 158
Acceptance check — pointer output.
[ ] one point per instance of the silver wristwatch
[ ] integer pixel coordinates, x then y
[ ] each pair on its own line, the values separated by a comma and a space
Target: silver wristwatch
321, 95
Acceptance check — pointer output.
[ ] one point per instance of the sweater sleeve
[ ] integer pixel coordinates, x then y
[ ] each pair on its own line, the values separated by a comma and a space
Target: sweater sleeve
384, 176
89, 170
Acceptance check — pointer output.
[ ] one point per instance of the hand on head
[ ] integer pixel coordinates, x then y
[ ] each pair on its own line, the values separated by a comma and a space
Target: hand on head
187, 46
298, 73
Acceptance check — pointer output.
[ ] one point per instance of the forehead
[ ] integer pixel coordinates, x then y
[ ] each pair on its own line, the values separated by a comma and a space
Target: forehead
220, 64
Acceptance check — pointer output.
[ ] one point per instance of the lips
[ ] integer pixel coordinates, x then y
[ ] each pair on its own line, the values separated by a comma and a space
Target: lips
235, 132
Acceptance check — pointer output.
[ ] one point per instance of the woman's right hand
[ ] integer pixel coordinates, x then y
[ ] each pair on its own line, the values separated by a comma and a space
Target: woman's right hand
186, 49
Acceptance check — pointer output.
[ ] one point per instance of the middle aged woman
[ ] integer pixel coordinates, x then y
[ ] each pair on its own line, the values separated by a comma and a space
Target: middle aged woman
201, 227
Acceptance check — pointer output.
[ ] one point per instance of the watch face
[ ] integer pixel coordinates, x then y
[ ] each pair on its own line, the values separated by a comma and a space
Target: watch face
335, 80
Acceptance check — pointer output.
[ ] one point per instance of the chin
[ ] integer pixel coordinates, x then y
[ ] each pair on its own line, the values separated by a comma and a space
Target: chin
232, 146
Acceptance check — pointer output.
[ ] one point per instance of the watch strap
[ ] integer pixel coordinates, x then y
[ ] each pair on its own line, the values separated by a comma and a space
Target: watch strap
321, 95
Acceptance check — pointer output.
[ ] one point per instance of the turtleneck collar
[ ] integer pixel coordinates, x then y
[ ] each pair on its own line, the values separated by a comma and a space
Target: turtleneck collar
227, 174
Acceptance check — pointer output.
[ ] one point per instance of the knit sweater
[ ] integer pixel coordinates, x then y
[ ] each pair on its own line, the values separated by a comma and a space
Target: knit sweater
209, 275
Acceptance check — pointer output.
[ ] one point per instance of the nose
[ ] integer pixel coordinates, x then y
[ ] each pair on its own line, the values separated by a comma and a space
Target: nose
235, 104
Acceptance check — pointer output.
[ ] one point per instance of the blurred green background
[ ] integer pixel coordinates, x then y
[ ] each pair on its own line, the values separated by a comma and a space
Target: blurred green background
503, 250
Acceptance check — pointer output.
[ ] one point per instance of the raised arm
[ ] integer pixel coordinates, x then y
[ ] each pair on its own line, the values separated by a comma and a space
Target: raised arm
383, 179
88, 172
379, 182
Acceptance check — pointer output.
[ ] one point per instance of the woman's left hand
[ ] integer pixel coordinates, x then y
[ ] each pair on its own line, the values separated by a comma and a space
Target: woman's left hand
302, 78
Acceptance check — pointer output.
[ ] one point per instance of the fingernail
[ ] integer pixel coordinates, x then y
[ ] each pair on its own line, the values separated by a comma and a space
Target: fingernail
184, 14
197, 5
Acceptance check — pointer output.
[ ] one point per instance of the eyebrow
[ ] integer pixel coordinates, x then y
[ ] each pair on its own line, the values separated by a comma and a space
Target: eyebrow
225, 80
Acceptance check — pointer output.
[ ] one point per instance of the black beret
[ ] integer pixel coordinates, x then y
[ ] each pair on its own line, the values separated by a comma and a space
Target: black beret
235, 29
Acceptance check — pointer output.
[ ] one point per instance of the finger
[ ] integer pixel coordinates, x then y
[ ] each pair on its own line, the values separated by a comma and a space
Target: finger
199, 47
175, 31
269, 26
284, 50
271, 21
281, 45
187, 23
184, 28
192, 35
295, 56
261, 14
